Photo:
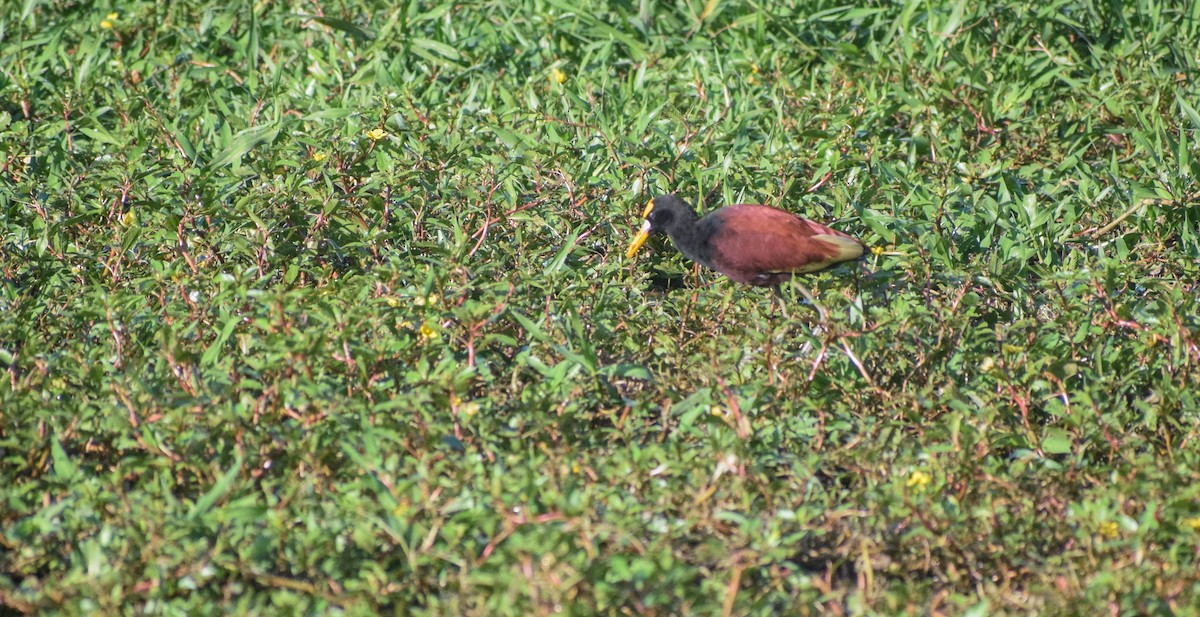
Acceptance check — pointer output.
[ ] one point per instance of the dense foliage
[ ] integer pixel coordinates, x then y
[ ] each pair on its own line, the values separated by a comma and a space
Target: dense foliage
309, 312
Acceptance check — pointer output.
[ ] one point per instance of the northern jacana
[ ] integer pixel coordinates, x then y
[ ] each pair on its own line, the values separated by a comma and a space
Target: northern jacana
749, 243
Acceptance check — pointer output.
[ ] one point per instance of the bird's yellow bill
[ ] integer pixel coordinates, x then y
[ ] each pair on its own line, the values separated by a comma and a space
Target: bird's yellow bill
638, 240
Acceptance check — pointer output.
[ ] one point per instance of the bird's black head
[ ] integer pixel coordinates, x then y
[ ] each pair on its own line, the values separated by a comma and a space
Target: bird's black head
663, 210
661, 214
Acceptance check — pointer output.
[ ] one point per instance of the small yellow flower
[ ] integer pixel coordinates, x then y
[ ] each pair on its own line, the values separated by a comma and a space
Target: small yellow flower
557, 76
109, 21
430, 300
129, 219
877, 250
918, 481
427, 331
1109, 530
1192, 523
319, 156
724, 414
376, 134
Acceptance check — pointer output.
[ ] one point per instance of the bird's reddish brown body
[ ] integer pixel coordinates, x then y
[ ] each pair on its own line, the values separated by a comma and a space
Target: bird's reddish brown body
761, 245
749, 243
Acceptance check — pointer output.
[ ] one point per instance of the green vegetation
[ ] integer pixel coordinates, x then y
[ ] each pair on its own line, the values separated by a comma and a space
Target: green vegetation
328, 313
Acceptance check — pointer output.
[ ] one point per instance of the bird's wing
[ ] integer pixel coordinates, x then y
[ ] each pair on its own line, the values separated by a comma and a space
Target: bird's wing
763, 239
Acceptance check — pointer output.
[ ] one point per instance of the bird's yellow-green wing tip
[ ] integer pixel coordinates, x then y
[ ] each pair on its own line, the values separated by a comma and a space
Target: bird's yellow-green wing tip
844, 248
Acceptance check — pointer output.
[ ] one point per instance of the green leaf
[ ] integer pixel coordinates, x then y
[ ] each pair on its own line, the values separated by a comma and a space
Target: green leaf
244, 143
218, 345
64, 468
1056, 441
219, 489
556, 263
341, 25
1188, 110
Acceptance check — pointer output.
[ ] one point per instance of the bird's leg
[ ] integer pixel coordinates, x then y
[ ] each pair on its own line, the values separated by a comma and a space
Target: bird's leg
770, 346
778, 295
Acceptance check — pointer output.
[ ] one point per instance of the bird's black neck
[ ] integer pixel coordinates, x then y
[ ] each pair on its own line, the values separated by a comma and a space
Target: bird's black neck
686, 234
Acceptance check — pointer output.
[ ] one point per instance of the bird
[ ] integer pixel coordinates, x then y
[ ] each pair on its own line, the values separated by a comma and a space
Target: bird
749, 243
